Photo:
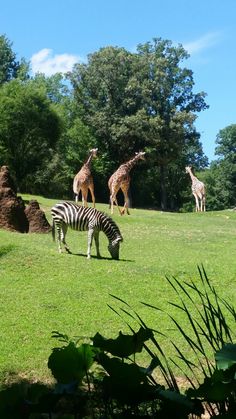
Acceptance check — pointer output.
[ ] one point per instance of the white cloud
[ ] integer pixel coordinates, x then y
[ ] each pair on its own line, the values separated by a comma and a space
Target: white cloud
48, 63
202, 43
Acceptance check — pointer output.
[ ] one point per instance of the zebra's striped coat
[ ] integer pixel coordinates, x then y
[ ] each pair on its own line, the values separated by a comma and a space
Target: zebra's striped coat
80, 218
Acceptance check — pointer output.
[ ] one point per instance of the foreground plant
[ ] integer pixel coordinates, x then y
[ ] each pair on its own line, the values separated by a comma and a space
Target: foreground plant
102, 378
206, 331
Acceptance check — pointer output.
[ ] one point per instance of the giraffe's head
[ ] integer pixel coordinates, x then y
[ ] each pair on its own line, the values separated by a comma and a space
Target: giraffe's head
114, 247
93, 152
188, 169
140, 155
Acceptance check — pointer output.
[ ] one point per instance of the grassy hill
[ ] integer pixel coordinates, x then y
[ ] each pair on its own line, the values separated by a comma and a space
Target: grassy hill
42, 290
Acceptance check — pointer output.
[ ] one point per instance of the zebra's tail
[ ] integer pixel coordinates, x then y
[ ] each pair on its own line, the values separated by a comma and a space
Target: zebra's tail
53, 230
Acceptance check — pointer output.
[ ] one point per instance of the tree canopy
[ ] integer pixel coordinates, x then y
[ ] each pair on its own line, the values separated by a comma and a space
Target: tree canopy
29, 130
141, 100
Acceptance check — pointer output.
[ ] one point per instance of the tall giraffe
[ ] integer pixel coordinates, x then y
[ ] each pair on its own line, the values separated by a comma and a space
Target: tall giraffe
121, 180
83, 181
198, 190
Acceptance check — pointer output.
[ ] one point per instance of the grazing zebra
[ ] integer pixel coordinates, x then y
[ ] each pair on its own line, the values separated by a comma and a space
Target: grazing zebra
85, 218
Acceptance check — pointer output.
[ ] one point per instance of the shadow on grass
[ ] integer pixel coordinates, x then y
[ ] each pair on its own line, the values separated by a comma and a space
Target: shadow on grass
101, 257
20, 397
4, 250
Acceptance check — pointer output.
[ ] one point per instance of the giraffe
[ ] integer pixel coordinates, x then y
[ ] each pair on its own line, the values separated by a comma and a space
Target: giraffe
198, 190
83, 181
121, 180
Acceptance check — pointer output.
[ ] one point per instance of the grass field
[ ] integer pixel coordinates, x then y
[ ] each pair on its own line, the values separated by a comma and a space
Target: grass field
42, 290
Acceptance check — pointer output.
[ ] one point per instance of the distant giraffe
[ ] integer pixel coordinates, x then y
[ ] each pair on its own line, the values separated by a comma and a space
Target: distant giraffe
198, 190
121, 180
83, 181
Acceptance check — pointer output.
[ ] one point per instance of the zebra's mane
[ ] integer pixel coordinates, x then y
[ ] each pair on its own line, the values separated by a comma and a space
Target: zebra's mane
112, 223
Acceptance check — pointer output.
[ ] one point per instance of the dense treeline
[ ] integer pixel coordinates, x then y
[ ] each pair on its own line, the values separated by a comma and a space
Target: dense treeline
120, 102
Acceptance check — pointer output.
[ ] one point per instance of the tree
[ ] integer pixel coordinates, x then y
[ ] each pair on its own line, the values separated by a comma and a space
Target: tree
29, 131
222, 174
141, 100
226, 143
10, 68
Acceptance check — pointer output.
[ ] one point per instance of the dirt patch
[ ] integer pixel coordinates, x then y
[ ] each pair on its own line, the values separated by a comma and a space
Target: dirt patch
14, 216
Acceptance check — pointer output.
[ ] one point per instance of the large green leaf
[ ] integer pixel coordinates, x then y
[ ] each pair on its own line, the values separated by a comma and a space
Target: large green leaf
125, 382
124, 345
70, 363
226, 356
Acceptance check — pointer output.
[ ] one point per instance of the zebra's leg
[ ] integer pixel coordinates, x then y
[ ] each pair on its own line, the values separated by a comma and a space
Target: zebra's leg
59, 238
63, 237
90, 241
96, 239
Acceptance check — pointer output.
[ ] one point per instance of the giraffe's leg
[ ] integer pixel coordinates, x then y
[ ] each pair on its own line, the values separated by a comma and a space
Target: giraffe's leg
111, 204
116, 202
91, 188
77, 195
200, 197
204, 203
125, 189
96, 239
197, 202
90, 241
85, 198
112, 200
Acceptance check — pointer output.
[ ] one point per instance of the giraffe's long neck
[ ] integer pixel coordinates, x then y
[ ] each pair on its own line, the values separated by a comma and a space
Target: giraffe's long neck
193, 178
131, 163
88, 162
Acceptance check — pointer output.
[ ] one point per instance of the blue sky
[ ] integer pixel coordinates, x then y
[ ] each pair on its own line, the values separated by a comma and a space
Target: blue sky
54, 34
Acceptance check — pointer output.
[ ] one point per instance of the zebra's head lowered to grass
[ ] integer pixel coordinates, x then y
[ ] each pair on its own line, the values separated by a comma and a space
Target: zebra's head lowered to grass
83, 218
114, 248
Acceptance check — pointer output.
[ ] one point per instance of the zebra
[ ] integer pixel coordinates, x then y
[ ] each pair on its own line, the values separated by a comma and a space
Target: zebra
88, 219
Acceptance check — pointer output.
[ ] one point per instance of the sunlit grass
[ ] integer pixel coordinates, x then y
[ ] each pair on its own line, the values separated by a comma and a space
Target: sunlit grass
42, 290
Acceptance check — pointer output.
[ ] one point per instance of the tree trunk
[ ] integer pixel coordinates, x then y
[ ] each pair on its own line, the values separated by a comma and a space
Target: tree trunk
163, 188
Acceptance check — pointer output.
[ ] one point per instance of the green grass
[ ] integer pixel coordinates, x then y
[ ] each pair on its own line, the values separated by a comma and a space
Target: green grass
42, 290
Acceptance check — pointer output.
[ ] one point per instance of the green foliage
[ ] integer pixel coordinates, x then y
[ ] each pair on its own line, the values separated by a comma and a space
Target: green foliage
29, 130
226, 357
9, 66
222, 174
71, 363
226, 143
124, 345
